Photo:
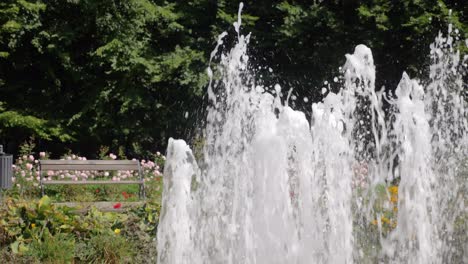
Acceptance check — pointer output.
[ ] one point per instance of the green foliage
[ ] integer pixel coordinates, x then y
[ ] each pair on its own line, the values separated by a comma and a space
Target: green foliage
377, 12
33, 125
27, 147
104, 69
40, 232
22, 219
18, 19
141, 228
123, 74
106, 248
53, 249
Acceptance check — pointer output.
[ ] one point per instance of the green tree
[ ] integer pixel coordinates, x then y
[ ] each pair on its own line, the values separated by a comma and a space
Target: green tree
128, 74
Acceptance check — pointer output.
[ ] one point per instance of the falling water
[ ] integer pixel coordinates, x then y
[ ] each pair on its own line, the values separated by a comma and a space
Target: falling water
274, 187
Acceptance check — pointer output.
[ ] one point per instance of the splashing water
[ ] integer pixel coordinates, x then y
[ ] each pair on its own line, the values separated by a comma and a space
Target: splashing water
354, 185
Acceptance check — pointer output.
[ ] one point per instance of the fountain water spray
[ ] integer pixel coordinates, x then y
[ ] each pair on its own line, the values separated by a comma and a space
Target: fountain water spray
274, 188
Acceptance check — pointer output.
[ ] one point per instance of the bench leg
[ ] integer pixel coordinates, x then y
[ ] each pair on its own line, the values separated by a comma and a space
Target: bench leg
42, 182
141, 193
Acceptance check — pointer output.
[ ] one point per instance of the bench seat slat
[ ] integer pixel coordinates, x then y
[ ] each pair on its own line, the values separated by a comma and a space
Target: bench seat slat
91, 182
88, 167
88, 162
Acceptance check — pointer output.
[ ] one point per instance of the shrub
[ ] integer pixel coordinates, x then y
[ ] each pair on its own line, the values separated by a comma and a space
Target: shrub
20, 220
141, 227
52, 249
106, 248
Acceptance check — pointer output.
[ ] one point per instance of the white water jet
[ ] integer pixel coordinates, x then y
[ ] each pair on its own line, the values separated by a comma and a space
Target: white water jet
414, 238
177, 210
274, 188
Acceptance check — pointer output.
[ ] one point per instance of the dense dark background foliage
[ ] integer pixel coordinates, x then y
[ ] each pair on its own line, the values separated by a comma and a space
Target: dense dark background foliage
80, 74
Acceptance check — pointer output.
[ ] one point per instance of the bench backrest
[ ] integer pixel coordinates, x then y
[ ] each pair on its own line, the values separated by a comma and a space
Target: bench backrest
86, 165
91, 165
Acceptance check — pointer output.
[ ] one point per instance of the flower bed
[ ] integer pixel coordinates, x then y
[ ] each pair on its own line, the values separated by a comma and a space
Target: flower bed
27, 179
34, 230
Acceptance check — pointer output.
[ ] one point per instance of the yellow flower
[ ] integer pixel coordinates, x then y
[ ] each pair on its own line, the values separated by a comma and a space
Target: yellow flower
117, 231
374, 222
33, 225
393, 190
385, 220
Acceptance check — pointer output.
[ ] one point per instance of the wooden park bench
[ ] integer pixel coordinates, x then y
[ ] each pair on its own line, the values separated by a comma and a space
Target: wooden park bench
91, 165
